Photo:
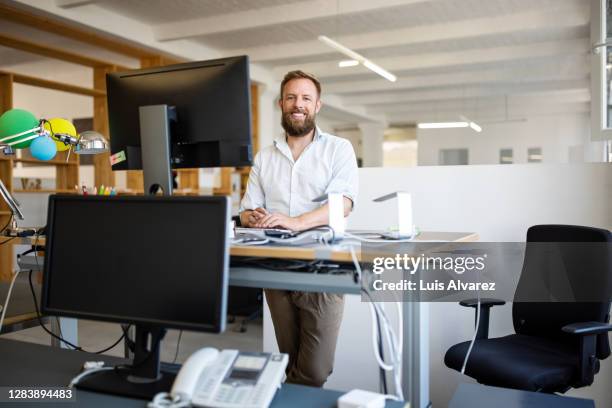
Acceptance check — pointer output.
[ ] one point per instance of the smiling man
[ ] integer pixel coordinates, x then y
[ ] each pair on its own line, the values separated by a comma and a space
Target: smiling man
285, 179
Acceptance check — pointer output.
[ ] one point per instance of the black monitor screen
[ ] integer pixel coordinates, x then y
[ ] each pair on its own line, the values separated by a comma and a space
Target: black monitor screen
159, 261
212, 103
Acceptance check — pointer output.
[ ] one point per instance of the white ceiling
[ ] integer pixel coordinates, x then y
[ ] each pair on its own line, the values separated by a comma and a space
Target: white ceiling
479, 58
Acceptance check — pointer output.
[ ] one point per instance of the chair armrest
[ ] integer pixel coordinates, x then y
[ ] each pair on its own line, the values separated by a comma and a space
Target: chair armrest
485, 307
587, 328
587, 358
484, 302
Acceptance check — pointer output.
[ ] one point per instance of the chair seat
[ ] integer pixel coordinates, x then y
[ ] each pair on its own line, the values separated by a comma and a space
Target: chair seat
517, 361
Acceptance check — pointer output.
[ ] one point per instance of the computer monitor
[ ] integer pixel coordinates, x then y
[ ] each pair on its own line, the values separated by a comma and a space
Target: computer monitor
151, 261
190, 115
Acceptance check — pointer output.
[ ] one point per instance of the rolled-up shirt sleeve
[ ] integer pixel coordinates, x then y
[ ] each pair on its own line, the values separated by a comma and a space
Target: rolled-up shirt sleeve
345, 177
254, 196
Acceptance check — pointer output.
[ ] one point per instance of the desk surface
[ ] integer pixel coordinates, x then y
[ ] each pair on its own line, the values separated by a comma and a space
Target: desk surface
337, 253
26, 364
482, 396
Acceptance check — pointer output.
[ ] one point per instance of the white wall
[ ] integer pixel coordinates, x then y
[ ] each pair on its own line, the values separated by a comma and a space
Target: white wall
499, 203
556, 135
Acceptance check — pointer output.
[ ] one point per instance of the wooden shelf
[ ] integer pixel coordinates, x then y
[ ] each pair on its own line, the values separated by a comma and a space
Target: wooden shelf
46, 163
42, 190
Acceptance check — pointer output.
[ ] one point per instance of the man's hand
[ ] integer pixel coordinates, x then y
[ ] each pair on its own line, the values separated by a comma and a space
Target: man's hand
256, 215
277, 220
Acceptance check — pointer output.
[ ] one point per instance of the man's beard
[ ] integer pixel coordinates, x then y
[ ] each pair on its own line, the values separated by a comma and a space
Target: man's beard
297, 128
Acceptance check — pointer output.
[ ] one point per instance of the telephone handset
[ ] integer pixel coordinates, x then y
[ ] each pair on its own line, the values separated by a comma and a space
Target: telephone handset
225, 379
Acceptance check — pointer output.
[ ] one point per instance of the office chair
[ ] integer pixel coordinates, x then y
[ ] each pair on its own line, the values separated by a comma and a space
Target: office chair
557, 345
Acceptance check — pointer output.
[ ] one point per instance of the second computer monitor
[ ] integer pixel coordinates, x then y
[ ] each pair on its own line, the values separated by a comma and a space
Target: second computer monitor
211, 103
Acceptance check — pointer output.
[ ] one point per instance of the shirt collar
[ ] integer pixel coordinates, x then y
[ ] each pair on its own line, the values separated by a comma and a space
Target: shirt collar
282, 140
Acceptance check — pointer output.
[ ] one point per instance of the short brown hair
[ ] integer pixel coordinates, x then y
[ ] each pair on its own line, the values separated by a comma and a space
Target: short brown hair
297, 75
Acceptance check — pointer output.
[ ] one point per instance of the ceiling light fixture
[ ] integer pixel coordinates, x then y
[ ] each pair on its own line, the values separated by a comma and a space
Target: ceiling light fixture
451, 125
442, 125
358, 57
348, 63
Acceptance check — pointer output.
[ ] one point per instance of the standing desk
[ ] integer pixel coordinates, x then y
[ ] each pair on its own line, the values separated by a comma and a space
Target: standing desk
416, 326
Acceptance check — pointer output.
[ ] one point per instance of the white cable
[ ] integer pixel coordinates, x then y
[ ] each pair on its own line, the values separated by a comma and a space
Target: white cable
379, 359
467, 355
86, 373
166, 400
8, 297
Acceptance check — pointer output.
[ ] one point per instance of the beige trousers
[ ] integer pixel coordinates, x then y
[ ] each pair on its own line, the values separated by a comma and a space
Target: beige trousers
306, 326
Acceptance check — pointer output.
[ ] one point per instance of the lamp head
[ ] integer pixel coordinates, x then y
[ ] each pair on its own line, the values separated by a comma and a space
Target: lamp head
91, 142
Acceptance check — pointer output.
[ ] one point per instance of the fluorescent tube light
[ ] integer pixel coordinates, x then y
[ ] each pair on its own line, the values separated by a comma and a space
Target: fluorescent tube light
341, 48
348, 63
476, 127
379, 70
358, 57
443, 125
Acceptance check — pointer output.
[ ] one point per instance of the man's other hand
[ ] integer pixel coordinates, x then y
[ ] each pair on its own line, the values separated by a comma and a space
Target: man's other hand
277, 220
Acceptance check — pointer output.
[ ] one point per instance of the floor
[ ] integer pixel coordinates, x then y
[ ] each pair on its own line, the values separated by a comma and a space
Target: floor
96, 336
93, 336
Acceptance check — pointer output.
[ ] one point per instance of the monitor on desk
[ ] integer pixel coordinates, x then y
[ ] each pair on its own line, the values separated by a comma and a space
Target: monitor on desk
151, 261
189, 115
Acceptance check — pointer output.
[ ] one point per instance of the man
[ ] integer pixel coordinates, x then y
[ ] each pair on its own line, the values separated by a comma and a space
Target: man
286, 177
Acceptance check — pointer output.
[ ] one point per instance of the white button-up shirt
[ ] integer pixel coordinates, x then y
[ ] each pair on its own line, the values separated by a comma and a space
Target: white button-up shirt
280, 184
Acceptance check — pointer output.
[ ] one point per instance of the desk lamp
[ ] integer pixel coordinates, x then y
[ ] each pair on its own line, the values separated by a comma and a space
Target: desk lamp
13, 230
405, 226
19, 129
337, 222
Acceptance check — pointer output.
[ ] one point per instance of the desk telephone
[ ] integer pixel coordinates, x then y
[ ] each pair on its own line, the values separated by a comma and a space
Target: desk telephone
225, 379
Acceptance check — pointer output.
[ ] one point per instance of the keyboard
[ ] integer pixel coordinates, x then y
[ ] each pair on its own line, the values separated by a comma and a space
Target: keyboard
264, 231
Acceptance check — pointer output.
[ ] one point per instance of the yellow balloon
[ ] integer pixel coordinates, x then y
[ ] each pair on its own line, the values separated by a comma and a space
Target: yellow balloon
59, 125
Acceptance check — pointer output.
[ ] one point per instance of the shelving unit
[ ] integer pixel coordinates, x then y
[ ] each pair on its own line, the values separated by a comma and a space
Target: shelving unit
67, 174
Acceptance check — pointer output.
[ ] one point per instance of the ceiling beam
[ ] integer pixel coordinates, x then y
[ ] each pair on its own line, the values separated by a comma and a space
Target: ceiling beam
442, 60
284, 14
472, 106
31, 18
52, 52
73, 3
463, 92
572, 15
573, 68
496, 112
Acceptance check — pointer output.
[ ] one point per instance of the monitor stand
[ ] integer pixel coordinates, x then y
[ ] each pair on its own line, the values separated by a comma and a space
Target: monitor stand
155, 147
143, 379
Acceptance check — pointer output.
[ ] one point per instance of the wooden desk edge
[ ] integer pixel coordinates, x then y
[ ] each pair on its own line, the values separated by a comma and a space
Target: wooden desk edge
296, 252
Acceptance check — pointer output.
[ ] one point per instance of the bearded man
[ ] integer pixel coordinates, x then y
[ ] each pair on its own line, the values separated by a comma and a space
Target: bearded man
286, 177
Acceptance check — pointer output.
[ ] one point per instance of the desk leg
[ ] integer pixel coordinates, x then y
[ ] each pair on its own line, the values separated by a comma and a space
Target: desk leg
67, 328
415, 354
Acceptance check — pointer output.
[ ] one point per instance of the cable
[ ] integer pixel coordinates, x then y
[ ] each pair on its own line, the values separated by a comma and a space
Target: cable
178, 345
8, 297
42, 325
10, 239
86, 373
467, 355
7, 224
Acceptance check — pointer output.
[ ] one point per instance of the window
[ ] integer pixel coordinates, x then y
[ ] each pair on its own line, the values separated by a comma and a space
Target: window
453, 157
601, 69
505, 156
534, 155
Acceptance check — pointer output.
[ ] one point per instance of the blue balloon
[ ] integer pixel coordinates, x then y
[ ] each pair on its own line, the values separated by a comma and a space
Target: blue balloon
43, 148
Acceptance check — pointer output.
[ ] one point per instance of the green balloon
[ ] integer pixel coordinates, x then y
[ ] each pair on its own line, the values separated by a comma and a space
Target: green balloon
15, 121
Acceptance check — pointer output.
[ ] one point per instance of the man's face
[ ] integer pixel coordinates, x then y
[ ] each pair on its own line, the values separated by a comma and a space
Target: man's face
299, 105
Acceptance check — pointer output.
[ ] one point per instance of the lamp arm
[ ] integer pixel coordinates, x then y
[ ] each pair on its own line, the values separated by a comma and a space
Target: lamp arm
36, 129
